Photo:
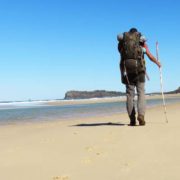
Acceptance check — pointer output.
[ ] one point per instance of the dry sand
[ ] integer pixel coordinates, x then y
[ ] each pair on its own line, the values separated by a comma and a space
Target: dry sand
103, 148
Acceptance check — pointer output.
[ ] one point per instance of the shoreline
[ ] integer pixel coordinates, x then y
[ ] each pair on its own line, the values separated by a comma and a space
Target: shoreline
105, 100
79, 101
92, 113
80, 118
86, 118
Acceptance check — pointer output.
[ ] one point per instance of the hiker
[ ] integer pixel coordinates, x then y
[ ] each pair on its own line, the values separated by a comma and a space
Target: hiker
132, 48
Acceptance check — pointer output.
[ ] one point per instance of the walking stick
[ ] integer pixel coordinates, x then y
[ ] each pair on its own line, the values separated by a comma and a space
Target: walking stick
161, 80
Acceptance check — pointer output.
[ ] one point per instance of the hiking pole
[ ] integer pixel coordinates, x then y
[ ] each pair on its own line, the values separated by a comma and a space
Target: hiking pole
161, 80
147, 76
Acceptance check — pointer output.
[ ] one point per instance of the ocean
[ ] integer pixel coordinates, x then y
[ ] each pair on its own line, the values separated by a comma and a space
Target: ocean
40, 111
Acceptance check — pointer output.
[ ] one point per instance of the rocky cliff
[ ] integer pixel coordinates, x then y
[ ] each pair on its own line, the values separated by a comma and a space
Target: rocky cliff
174, 92
103, 93
91, 94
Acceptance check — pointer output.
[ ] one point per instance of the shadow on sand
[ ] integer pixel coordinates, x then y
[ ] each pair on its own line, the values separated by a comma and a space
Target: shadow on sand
100, 124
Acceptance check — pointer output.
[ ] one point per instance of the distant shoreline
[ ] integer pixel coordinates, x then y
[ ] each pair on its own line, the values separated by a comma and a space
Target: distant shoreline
82, 101
104, 99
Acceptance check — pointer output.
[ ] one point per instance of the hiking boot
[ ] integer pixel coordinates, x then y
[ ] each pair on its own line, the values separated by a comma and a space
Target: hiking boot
133, 118
141, 120
132, 123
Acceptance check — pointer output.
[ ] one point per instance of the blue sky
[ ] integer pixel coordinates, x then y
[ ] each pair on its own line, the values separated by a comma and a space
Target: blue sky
50, 47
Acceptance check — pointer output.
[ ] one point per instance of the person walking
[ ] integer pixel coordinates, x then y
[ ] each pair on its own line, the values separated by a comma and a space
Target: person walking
132, 48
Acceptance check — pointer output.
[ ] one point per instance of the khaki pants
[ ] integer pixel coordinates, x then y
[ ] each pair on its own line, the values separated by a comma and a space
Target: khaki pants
130, 103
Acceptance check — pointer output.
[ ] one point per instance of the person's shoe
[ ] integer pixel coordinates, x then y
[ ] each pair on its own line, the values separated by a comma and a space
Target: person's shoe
132, 123
141, 120
132, 118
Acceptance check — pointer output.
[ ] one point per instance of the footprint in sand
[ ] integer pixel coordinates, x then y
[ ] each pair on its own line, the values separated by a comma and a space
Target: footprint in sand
89, 148
61, 178
75, 133
87, 161
47, 140
125, 168
94, 151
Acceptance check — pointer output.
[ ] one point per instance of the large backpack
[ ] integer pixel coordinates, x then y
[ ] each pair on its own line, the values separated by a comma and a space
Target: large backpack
132, 53
131, 48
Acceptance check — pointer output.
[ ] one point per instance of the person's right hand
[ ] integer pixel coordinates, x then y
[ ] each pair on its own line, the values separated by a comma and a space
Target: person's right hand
159, 64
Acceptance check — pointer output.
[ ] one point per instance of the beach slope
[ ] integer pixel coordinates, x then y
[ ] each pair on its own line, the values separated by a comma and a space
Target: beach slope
93, 148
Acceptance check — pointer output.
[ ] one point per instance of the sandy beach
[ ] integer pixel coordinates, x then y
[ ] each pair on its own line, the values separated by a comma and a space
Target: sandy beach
101, 148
